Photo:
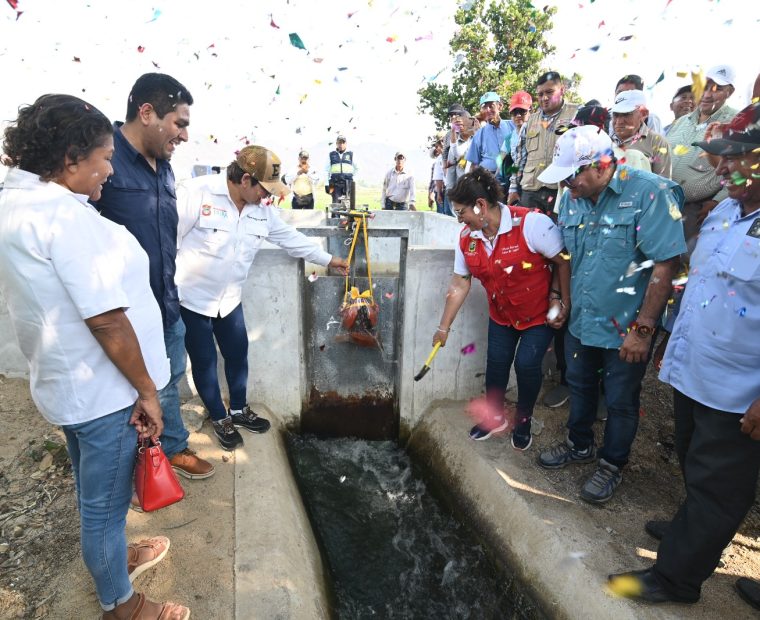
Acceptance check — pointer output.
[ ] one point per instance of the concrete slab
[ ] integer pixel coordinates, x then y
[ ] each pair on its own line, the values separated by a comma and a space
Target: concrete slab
278, 568
552, 542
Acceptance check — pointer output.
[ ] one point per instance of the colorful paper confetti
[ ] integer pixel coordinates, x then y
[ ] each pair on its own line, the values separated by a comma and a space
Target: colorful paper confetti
296, 41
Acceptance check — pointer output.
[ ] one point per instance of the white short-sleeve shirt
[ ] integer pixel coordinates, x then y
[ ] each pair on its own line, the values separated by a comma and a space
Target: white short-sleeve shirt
62, 263
541, 234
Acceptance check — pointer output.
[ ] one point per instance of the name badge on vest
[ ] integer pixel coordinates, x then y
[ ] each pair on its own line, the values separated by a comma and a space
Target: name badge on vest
472, 246
754, 230
623, 205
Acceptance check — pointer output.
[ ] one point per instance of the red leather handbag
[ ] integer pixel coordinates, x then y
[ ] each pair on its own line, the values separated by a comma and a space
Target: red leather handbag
156, 483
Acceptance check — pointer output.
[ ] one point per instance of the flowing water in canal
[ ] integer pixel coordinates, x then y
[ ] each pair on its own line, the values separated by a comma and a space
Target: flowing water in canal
392, 549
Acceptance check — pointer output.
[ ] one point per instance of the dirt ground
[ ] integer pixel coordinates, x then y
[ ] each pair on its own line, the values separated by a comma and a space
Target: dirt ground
42, 575
41, 571
652, 488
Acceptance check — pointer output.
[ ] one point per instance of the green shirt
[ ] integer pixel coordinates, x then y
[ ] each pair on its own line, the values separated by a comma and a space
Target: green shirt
691, 169
637, 218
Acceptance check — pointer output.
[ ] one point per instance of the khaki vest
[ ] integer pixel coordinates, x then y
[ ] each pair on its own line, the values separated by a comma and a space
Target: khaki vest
539, 144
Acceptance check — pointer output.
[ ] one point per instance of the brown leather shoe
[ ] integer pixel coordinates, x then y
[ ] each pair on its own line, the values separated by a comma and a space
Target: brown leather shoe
145, 554
189, 465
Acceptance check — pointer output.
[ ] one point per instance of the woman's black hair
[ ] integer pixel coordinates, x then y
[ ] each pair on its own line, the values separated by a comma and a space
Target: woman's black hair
52, 129
474, 185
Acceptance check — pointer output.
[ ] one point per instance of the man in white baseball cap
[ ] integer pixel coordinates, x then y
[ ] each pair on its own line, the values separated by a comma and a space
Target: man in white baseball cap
630, 131
722, 75
612, 216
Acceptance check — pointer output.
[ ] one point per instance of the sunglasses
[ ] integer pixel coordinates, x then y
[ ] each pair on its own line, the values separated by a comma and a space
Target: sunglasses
518, 112
459, 212
569, 181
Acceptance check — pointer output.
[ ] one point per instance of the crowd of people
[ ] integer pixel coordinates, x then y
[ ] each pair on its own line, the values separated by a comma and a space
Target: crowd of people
624, 206
577, 220
112, 273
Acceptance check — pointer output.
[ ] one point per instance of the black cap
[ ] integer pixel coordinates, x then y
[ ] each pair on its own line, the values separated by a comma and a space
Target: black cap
457, 108
593, 115
740, 136
587, 115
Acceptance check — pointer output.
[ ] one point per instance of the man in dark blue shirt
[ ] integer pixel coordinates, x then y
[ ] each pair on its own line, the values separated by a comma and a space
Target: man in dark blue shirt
140, 195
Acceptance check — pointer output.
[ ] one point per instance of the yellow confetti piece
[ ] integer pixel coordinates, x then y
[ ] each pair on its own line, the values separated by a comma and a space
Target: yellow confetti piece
626, 586
674, 211
663, 150
680, 149
623, 175
527, 265
565, 256
317, 81
303, 98
681, 74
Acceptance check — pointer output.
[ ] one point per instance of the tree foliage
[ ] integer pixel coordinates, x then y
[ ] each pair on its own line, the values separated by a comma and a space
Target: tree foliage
500, 45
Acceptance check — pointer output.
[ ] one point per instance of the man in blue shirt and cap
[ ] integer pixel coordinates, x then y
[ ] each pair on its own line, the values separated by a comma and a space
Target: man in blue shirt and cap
622, 229
486, 143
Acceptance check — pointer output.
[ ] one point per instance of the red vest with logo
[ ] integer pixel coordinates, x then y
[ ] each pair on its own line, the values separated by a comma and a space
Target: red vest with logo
516, 279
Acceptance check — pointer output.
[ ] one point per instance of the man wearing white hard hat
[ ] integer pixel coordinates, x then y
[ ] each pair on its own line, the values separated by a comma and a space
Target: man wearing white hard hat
629, 113
691, 168
622, 229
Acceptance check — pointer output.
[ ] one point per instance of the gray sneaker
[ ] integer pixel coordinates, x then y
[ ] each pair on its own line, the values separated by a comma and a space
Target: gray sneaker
563, 454
601, 486
557, 396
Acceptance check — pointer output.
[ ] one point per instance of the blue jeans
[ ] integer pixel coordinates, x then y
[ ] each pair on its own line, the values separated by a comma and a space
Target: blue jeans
526, 347
232, 337
447, 205
174, 437
439, 207
622, 389
103, 459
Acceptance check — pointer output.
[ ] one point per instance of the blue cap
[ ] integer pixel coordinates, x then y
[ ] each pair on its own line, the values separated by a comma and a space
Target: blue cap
490, 96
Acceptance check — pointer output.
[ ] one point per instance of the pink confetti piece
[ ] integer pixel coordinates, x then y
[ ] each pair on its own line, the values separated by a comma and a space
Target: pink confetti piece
313, 276
389, 295
468, 349
488, 416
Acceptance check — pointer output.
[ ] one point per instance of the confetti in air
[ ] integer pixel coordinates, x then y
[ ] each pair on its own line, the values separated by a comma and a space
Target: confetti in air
468, 349
296, 41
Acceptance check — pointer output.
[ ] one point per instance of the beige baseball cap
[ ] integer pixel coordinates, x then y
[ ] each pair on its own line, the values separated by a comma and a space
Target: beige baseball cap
265, 167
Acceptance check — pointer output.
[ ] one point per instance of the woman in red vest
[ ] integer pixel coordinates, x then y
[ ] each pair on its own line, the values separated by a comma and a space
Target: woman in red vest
517, 255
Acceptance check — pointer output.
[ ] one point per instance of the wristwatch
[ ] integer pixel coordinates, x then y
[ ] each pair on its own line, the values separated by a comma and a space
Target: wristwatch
645, 331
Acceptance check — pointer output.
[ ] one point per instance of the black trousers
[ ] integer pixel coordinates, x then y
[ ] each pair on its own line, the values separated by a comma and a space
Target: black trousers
720, 466
303, 202
391, 205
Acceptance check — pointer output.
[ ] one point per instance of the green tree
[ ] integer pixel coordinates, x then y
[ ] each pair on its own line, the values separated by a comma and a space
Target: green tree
500, 45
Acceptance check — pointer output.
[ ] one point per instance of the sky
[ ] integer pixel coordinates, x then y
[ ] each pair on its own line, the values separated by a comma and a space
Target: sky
359, 73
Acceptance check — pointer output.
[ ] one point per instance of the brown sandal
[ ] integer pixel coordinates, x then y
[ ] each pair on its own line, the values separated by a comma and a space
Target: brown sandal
172, 611
169, 611
159, 545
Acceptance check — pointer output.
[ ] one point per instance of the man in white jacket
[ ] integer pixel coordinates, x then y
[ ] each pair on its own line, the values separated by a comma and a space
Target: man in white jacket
222, 224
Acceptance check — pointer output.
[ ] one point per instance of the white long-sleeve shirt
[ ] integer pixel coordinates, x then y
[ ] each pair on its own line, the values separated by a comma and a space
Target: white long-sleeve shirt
398, 186
217, 244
